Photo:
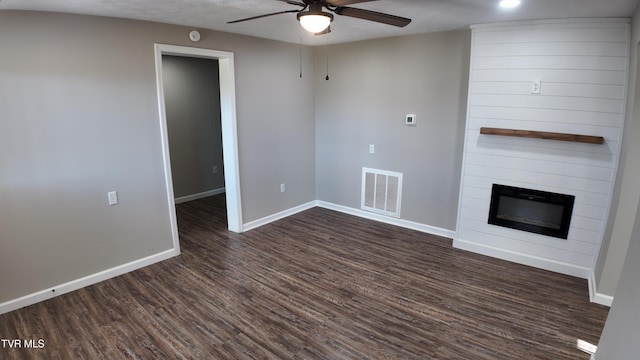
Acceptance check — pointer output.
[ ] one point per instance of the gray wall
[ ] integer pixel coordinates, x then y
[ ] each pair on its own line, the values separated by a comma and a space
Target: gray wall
192, 102
626, 192
372, 86
79, 117
276, 127
621, 332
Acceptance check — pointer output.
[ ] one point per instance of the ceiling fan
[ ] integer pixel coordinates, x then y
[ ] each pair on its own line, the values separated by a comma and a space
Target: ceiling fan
315, 20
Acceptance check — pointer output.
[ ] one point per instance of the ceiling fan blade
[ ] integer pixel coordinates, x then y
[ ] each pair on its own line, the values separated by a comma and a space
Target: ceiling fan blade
346, 2
373, 16
297, 3
261, 16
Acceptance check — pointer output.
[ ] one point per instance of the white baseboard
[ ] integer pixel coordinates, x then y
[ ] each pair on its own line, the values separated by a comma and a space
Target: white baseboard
525, 259
388, 220
602, 299
351, 211
596, 297
457, 243
197, 196
85, 281
277, 216
140, 263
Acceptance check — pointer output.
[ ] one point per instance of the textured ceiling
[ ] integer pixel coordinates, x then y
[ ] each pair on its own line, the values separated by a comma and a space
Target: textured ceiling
427, 15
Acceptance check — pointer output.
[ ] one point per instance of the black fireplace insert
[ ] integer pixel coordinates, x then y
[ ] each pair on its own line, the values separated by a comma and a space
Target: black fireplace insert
530, 210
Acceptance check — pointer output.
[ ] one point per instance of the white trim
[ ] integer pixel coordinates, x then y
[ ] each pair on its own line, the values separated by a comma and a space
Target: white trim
592, 286
231, 159
229, 130
466, 132
388, 220
164, 135
596, 297
351, 211
197, 196
277, 216
525, 259
603, 299
54, 291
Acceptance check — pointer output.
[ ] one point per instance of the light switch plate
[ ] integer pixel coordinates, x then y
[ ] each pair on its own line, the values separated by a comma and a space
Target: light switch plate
113, 197
535, 86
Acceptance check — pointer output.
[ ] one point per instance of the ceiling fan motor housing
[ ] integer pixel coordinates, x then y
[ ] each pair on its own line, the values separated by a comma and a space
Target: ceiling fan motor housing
315, 8
315, 20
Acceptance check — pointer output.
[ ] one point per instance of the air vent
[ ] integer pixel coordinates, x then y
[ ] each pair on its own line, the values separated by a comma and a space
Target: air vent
381, 191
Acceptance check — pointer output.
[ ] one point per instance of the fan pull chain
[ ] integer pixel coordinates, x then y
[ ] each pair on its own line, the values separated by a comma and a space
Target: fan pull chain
326, 47
300, 51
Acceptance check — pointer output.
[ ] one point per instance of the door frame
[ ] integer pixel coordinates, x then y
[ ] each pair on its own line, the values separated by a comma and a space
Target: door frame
229, 132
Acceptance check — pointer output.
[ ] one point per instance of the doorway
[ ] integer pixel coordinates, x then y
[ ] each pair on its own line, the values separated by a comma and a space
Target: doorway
228, 127
192, 106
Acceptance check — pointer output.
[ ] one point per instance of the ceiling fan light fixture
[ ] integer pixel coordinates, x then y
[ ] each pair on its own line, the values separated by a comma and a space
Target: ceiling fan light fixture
315, 22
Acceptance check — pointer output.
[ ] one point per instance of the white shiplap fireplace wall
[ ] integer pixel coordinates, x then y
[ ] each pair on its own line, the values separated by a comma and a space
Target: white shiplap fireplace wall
582, 66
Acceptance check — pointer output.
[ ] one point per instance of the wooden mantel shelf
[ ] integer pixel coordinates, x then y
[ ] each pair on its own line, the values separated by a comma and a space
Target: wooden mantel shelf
543, 135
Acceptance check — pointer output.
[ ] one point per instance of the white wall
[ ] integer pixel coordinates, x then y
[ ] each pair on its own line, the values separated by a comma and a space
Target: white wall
583, 68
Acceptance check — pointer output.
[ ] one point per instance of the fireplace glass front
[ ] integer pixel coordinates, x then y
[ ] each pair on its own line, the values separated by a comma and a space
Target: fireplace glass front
530, 210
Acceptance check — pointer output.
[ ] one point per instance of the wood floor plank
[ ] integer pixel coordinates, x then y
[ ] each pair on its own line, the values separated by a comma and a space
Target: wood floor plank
316, 285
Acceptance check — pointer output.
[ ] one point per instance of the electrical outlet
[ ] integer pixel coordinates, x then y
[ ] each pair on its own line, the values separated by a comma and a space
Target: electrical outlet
113, 197
283, 188
410, 119
215, 169
372, 149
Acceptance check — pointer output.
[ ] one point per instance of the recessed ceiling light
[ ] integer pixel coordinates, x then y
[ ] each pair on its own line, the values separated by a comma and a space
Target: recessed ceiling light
509, 3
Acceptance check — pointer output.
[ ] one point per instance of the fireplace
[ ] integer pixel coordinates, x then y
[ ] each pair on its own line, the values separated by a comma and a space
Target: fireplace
530, 210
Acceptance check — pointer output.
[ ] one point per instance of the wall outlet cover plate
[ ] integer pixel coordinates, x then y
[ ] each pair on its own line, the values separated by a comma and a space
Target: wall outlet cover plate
410, 119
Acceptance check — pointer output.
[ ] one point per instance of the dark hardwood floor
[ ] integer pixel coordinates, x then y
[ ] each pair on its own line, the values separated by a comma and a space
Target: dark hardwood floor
316, 285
